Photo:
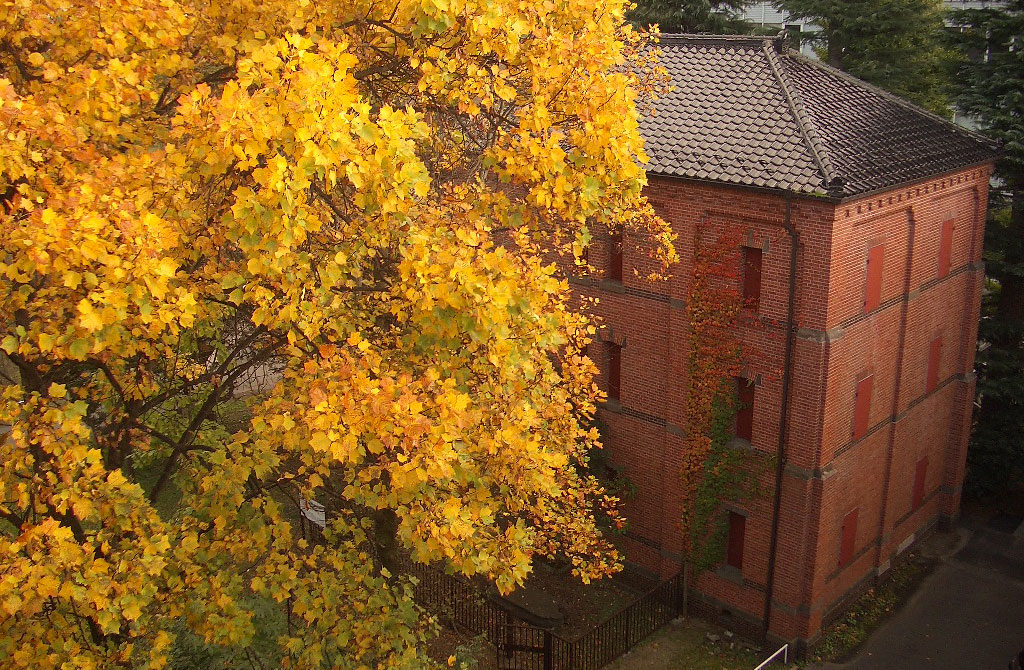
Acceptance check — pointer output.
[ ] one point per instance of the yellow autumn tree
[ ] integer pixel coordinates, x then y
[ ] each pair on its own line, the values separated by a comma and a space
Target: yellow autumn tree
263, 252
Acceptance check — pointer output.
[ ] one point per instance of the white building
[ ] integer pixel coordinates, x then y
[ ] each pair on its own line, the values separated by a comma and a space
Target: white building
765, 14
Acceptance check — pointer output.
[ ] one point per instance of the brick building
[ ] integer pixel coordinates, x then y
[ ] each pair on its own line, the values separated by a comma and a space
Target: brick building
886, 206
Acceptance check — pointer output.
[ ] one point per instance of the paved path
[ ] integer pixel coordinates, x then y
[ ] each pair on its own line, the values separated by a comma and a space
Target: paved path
967, 615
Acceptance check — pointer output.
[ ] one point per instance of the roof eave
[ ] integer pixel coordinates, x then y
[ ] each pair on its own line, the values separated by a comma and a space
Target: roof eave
913, 182
820, 196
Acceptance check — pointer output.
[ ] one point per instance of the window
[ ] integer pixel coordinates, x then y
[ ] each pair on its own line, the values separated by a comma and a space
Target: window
615, 256
614, 370
873, 288
751, 277
862, 407
945, 247
848, 541
919, 480
934, 358
734, 550
745, 413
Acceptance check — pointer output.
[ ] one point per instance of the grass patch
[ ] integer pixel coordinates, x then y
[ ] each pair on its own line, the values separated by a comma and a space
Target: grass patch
842, 639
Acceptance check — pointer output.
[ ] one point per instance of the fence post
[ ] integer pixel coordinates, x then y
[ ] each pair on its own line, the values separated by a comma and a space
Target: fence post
629, 615
686, 590
548, 655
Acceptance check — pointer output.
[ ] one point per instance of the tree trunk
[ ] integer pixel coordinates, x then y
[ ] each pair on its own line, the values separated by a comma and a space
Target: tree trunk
385, 538
835, 52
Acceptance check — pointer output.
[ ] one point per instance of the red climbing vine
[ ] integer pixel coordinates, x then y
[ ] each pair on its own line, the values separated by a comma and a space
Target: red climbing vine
712, 471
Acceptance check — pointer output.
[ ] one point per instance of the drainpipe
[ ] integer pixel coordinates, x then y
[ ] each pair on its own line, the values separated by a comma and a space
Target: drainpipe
780, 455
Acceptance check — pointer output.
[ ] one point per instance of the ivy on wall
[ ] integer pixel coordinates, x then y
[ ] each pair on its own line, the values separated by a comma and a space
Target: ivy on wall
714, 470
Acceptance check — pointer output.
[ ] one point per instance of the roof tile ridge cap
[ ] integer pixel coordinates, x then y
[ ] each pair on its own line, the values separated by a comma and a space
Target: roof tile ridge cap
799, 112
892, 97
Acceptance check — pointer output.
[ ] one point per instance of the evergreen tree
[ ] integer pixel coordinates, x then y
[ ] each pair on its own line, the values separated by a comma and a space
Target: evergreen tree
719, 17
898, 45
989, 89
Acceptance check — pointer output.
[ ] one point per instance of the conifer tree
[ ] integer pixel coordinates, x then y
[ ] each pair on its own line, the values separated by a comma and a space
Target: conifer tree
989, 90
897, 45
692, 16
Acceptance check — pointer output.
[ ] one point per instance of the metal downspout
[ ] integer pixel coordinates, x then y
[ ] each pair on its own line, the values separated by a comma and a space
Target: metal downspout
780, 456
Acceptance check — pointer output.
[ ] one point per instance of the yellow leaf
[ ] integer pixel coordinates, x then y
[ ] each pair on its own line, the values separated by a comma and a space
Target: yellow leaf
45, 342
90, 318
131, 611
320, 441
166, 267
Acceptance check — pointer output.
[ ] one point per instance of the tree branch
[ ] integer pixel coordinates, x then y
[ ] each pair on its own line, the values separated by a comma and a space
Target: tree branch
12, 519
183, 443
219, 370
326, 199
7, 48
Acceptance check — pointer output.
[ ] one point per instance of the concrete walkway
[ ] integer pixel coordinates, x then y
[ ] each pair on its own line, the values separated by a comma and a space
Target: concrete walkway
967, 615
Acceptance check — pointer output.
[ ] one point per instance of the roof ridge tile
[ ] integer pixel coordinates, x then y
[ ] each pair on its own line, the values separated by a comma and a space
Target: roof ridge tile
803, 120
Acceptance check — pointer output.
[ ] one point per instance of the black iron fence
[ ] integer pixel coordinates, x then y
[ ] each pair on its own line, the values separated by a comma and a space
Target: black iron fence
623, 630
460, 600
526, 647
522, 646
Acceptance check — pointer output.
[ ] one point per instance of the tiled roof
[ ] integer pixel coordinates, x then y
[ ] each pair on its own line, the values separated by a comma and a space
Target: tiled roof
745, 110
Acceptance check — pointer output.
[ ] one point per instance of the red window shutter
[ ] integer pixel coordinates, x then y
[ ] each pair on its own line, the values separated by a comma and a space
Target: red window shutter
615, 257
862, 407
614, 370
751, 277
848, 543
737, 529
934, 358
745, 413
919, 479
873, 288
946, 247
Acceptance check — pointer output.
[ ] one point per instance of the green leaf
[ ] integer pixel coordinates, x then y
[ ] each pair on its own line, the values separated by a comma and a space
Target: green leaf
79, 349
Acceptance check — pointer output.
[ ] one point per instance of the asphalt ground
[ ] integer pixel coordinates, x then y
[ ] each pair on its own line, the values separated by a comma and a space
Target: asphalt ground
967, 615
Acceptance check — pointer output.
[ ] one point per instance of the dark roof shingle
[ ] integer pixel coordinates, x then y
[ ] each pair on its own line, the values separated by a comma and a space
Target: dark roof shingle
744, 110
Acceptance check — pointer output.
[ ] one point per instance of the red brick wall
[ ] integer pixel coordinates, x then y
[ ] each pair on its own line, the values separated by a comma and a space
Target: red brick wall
876, 474
828, 473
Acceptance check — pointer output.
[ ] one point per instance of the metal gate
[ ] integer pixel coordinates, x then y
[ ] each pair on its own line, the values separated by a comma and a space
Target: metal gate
524, 647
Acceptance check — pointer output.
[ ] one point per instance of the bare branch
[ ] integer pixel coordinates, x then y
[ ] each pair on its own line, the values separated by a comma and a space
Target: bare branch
184, 442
